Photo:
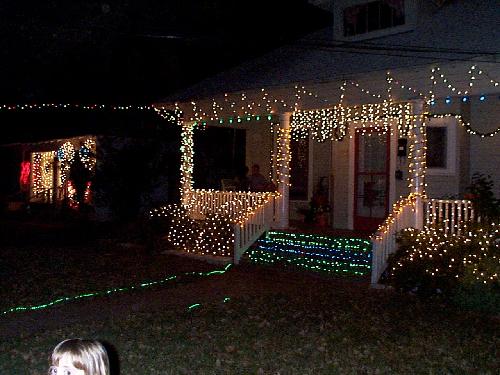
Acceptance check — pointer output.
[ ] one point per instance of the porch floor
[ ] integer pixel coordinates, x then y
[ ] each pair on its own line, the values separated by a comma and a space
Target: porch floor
298, 226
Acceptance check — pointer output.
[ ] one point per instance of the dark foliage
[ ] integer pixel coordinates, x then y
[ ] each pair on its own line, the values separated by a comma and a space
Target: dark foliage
480, 191
463, 268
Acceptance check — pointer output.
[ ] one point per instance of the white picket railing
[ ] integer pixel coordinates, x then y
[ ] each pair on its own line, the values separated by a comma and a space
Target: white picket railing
384, 240
251, 213
450, 213
251, 227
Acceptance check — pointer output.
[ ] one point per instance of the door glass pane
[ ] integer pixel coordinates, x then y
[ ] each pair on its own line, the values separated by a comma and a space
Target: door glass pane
372, 153
371, 196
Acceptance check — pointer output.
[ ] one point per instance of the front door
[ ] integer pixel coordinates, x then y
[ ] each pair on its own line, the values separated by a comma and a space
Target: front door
371, 179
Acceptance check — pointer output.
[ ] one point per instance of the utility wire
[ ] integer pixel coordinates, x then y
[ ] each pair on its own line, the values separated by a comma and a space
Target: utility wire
396, 46
364, 51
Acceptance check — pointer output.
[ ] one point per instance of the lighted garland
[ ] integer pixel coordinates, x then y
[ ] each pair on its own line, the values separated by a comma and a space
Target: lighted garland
87, 153
162, 111
284, 156
417, 156
397, 210
43, 172
187, 154
467, 125
208, 230
332, 123
66, 155
143, 285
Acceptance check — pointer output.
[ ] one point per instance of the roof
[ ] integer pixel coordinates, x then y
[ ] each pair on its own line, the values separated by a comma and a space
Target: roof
461, 30
46, 124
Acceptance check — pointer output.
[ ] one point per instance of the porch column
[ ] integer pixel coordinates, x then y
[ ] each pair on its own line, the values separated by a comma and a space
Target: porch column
283, 170
187, 152
417, 161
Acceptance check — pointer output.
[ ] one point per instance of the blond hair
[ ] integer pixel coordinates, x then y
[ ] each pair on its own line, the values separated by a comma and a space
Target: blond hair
87, 355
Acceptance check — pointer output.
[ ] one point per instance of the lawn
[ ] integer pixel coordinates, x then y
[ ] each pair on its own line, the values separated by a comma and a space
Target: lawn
251, 319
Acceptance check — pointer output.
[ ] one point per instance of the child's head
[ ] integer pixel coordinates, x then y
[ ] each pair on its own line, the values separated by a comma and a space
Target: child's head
79, 357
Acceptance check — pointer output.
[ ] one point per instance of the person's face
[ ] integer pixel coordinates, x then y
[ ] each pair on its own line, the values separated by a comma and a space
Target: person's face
65, 367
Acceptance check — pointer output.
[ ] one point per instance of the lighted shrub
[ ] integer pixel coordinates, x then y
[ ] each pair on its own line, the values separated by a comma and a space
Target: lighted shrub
212, 235
431, 261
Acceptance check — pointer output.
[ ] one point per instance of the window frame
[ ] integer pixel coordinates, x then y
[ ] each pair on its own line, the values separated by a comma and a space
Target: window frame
410, 18
450, 123
367, 7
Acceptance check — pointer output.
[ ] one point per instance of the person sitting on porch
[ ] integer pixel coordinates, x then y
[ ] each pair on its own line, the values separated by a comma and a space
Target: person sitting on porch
257, 182
241, 179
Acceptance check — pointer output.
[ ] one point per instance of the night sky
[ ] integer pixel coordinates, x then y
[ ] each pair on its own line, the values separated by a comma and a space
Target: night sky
135, 51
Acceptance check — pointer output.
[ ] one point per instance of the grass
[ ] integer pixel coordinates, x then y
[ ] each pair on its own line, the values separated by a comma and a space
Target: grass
319, 331
276, 320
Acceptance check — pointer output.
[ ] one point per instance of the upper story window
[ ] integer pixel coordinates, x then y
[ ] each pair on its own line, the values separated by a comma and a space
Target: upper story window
372, 16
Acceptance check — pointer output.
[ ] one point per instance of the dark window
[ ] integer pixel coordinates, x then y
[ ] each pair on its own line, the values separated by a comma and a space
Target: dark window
436, 147
375, 15
219, 153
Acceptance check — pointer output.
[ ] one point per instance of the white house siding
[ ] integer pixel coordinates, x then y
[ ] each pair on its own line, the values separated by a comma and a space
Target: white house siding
258, 145
485, 152
444, 185
322, 163
340, 173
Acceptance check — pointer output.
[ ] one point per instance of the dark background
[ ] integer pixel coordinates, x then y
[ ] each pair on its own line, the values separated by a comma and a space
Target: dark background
126, 52
135, 51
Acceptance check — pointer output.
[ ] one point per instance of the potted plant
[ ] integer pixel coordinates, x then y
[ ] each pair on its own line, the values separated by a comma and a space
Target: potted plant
319, 208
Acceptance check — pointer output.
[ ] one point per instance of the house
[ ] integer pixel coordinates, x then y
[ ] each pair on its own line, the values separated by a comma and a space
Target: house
392, 110
112, 162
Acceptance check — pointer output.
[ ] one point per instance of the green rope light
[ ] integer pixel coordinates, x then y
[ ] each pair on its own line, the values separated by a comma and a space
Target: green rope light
112, 291
345, 256
194, 306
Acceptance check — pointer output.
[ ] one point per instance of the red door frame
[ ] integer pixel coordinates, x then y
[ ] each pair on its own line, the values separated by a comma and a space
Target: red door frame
364, 223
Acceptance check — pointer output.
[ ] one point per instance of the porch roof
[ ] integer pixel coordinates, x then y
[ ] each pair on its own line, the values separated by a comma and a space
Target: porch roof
321, 65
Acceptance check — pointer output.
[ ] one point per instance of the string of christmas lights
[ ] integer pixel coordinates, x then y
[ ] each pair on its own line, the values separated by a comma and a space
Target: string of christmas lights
348, 256
162, 111
140, 286
435, 246
397, 209
466, 125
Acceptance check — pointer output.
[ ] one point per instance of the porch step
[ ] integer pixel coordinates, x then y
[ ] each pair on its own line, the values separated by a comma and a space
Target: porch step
334, 255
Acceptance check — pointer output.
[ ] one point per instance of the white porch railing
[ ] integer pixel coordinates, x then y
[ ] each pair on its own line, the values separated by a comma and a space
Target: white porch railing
384, 240
251, 213
452, 214
251, 225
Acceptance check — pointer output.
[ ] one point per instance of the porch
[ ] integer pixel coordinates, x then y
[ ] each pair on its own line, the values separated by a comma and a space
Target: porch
363, 184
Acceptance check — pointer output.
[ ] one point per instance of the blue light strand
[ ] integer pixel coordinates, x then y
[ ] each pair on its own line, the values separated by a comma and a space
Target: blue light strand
314, 252
260, 256
338, 254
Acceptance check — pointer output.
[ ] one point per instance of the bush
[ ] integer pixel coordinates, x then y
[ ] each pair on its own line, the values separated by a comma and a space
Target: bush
212, 235
483, 298
480, 191
431, 262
